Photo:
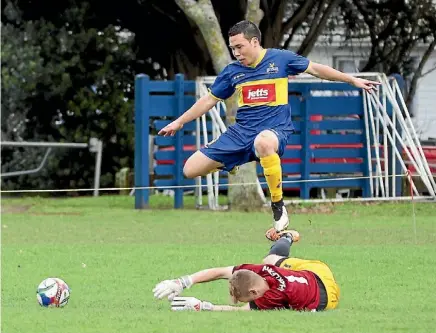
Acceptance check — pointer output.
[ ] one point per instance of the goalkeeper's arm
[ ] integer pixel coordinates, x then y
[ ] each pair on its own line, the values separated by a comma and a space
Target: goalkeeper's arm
171, 288
245, 307
194, 304
212, 274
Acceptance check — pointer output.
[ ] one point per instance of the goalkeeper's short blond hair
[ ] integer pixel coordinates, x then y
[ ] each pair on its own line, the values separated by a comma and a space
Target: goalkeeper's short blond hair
241, 282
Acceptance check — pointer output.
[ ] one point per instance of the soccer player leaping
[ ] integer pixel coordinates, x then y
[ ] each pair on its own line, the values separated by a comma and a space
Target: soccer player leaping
263, 120
281, 282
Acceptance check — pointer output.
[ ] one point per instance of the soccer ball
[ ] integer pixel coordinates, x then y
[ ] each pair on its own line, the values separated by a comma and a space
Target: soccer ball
53, 292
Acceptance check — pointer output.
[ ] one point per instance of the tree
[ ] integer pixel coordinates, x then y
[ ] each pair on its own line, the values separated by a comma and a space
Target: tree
26, 65
395, 29
276, 19
154, 21
203, 14
308, 19
22, 66
69, 85
55, 93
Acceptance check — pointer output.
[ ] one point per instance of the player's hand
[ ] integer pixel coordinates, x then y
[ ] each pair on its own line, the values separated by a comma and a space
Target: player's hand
172, 288
367, 85
167, 288
171, 128
190, 304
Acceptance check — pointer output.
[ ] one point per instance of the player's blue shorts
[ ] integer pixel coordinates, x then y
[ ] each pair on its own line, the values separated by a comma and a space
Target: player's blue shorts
236, 146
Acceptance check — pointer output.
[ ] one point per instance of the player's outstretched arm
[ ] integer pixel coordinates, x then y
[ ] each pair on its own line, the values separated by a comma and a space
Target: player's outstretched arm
212, 274
194, 304
200, 107
329, 73
172, 288
245, 307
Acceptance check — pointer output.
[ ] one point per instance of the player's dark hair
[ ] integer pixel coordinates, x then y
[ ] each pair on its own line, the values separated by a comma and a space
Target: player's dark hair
247, 28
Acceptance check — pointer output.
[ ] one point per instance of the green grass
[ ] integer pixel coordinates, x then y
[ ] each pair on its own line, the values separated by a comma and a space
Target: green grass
387, 280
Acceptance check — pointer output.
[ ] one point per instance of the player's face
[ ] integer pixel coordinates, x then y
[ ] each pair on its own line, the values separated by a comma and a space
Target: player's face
247, 299
252, 295
244, 50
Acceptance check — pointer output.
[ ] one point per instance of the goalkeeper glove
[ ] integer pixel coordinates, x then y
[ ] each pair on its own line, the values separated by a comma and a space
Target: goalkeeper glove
190, 304
172, 288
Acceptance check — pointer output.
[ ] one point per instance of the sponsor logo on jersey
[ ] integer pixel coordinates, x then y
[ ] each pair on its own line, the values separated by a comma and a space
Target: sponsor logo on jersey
272, 68
259, 93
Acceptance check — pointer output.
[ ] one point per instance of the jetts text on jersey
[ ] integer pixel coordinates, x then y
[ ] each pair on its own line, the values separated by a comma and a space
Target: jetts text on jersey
259, 93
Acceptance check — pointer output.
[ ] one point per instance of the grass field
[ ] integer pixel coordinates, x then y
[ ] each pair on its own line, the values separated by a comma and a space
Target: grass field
112, 256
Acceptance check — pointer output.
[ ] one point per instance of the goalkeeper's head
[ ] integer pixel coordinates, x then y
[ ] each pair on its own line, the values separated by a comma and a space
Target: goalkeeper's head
245, 286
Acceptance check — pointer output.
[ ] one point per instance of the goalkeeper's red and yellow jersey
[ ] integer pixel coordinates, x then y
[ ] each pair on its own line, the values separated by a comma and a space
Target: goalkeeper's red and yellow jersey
296, 290
262, 89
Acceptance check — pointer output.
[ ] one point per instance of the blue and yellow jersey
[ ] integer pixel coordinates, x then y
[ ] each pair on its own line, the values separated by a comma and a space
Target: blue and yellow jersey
262, 89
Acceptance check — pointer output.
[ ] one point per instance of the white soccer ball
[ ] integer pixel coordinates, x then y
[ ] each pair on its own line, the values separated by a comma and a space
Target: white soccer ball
53, 292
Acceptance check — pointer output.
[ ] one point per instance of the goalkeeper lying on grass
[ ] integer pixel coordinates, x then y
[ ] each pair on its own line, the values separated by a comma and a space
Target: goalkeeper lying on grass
279, 283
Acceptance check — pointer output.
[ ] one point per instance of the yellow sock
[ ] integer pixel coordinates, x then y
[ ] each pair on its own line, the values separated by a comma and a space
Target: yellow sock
272, 170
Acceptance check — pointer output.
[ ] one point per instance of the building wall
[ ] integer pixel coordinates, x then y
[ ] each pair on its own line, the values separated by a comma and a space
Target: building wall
425, 102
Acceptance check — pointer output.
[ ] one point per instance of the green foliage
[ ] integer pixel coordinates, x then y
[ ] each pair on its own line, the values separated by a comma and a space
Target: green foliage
67, 83
22, 67
68, 69
394, 29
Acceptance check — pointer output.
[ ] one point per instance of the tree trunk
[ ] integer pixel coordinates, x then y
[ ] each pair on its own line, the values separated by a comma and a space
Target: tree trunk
317, 27
203, 14
245, 196
254, 13
272, 24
